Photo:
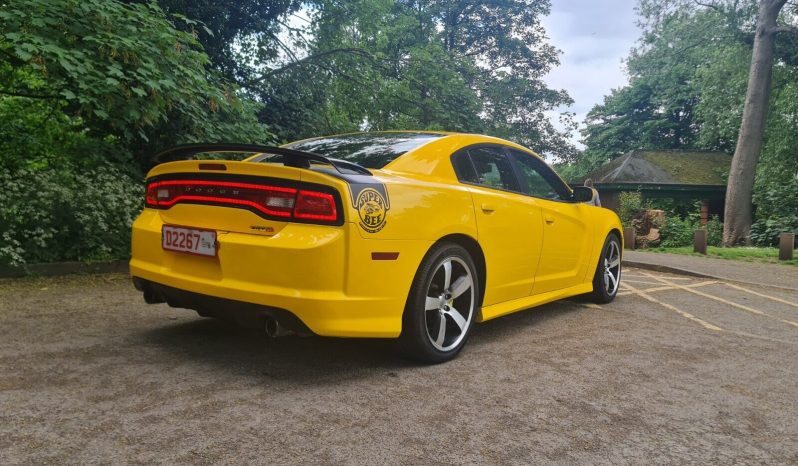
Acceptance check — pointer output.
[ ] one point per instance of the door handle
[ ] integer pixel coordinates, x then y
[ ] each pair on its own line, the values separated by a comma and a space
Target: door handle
549, 219
487, 208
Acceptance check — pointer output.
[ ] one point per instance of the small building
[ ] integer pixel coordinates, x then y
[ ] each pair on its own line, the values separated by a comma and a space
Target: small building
674, 174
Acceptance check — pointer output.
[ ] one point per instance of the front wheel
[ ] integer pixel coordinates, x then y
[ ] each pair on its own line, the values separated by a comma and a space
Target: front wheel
442, 305
607, 278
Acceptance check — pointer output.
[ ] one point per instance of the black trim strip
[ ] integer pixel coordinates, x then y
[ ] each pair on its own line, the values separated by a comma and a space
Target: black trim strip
506, 151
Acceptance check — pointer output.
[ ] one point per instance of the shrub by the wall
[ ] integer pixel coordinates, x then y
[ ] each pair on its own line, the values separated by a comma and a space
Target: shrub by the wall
49, 215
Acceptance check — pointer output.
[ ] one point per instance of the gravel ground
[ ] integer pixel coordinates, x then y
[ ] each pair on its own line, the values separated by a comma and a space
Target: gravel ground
89, 373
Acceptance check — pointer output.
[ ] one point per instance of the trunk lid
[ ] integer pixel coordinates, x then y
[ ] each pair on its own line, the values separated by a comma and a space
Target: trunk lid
244, 197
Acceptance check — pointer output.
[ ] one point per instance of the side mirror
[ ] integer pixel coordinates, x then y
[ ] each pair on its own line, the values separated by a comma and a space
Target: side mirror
584, 194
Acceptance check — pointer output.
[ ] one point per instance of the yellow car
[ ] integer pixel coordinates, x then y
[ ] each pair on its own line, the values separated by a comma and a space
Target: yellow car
408, 235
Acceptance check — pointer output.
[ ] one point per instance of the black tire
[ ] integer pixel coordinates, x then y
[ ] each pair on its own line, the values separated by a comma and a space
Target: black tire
604, 290
451, 326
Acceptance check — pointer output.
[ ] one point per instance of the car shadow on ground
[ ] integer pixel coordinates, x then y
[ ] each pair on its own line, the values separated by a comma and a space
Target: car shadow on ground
314, 358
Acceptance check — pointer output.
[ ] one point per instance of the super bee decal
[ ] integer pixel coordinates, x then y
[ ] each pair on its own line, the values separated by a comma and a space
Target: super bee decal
371, 202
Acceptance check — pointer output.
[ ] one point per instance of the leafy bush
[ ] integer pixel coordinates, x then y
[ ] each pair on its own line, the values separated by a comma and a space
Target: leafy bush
714, 232
49, 215
776, 213
678, 232
631, 203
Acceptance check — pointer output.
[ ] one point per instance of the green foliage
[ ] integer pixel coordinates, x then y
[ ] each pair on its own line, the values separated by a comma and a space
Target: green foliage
123, 69
688, 80
239, 36
89, 90
776, 212
631, 203
460, 66
714, 229
66, 214
676, 231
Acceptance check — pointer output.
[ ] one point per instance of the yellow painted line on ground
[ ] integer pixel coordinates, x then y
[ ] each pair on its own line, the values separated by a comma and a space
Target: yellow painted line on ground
666, 288
675, 309
626, 275
592, 305
736, 287
640, 281
719, 299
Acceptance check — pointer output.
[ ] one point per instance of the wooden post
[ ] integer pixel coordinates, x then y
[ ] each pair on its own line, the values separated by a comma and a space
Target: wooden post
700, 241
786, 246
629, 238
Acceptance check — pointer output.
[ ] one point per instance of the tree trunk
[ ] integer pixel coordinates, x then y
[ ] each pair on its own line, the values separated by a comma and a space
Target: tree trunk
737, 222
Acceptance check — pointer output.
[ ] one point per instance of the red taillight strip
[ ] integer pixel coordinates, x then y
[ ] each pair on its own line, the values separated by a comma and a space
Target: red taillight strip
295, 212
331, 217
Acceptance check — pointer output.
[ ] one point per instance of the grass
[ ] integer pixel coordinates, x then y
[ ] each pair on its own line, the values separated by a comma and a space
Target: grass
747, 254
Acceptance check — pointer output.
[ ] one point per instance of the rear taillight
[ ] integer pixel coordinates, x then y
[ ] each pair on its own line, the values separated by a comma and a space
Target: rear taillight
273, 201
314, 205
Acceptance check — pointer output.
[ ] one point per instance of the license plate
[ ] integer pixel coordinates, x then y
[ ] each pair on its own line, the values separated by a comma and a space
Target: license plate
190, 240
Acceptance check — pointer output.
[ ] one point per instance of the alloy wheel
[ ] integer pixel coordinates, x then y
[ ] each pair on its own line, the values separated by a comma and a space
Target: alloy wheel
449, 304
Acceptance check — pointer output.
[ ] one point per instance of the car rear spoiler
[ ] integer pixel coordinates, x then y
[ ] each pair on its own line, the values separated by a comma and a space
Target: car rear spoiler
291, 157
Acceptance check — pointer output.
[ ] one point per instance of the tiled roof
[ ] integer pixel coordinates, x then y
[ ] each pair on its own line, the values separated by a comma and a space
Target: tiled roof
665, 167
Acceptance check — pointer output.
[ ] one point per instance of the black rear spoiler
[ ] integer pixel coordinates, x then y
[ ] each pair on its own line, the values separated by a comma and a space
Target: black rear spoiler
291, 157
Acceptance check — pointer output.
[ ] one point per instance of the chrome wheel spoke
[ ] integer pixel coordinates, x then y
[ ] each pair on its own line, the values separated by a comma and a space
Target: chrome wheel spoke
447, 274
441, 330
432, 303
457, 318
613, 279
460, 286
612, 268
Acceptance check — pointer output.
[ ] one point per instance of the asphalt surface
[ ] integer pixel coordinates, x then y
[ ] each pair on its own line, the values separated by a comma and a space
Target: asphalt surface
676, 370
763, 274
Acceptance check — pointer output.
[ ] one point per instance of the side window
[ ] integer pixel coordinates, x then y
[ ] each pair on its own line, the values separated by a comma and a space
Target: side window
463, 167
493, 168
537, 179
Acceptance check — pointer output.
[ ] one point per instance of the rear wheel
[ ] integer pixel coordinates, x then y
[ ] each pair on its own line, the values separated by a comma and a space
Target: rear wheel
442, 305
607, 278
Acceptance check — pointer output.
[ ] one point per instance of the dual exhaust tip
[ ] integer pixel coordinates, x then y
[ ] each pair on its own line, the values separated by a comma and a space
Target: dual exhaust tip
275, 330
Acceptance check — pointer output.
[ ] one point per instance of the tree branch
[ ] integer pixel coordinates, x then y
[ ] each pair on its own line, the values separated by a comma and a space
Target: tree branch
29, 96
714, 6
309, 59
785, 28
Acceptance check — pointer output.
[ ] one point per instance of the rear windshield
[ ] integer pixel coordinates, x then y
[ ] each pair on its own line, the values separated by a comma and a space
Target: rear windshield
371, 150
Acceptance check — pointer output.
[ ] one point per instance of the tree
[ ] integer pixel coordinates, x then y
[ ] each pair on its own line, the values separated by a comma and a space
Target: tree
461, 66
239, 36
738, 212
123, 70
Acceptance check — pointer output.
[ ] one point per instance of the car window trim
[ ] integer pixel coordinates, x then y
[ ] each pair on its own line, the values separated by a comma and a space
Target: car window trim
506, 150
544, 166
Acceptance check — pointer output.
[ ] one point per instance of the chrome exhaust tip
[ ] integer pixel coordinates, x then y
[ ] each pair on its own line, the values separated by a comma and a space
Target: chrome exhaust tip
275, 330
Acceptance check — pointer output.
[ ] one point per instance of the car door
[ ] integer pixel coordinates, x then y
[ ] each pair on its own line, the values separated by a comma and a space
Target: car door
566, 242
509, 224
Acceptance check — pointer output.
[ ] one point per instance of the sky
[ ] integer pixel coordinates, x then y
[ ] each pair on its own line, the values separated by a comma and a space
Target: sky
594, 36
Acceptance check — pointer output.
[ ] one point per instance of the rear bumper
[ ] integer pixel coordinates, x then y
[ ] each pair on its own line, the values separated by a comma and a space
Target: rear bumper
324, 276
244, 314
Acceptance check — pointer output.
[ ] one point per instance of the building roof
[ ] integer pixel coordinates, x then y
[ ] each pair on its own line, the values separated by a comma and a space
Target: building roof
665, 167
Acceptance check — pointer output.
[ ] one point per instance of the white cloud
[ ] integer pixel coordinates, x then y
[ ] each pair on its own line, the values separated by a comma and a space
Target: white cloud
595, 37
